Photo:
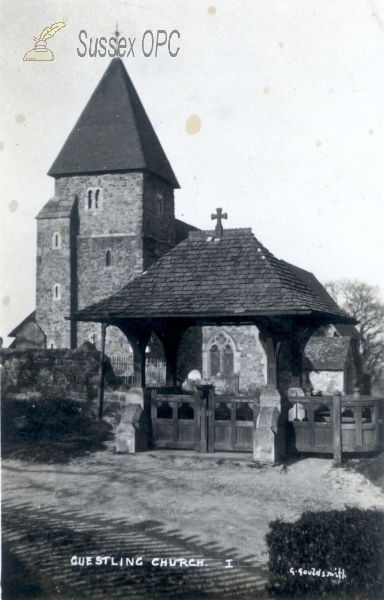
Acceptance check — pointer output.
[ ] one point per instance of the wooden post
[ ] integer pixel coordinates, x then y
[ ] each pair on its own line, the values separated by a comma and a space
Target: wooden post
138, 341
337, 429
100, 391
171, 341
271, 362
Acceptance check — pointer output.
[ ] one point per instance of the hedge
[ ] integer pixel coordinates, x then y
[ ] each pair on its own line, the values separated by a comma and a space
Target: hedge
328, 554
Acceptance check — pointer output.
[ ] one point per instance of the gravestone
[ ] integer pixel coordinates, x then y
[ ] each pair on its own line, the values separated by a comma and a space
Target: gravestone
220, 384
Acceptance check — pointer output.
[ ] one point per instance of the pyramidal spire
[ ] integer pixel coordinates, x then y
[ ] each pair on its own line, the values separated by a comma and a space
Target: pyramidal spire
113, 133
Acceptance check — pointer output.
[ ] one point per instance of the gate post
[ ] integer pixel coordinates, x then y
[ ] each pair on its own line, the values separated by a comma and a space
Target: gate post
337, 428
269, 435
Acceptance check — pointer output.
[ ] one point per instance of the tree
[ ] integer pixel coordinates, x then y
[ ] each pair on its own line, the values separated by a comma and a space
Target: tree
363, 302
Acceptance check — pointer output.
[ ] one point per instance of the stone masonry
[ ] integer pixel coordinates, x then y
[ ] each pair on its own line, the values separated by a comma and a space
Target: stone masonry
133, 222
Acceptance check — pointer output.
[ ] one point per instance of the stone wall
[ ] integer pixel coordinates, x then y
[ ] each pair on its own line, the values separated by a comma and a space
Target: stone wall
120, 204
114, 226
343, 381
59, 373
327, 381
53, 267
158, 227
79, 265
250, 361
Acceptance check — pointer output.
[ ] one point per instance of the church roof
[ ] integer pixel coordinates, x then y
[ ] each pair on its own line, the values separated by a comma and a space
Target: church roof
314, 284
30, 319
235, 275
326, 353
113, 133
57, 208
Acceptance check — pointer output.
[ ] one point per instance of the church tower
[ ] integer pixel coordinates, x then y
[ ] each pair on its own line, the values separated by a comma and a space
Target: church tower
112, 214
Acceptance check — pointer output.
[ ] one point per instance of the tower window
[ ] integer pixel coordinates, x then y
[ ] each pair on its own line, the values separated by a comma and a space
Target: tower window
108, 259
160, 205
56, 291
56, 240
94, 199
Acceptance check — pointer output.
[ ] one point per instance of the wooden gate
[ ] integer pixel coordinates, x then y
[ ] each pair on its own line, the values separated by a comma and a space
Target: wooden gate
175, 421
231, 423
204, 424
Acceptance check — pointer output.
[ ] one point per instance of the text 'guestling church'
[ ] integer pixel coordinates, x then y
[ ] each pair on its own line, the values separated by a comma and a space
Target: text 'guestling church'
110, 250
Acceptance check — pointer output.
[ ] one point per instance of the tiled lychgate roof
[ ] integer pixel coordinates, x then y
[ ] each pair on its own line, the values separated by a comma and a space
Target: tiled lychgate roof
326, 353
113, 133
314, 284
235, 275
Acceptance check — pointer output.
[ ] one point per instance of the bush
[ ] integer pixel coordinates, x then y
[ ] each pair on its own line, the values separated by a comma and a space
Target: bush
328, 554
53, 430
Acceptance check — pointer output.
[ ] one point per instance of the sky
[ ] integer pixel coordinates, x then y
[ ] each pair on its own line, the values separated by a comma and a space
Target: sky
272, 111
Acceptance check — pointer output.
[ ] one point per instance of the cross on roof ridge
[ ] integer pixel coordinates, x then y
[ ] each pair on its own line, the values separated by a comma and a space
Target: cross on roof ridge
219, 228
117, 34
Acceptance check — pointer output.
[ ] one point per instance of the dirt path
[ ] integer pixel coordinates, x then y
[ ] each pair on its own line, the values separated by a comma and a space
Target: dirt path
150, 503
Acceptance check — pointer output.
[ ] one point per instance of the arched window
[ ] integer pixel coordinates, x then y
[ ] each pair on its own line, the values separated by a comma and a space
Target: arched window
108, 259
227, 359
221, 355
94, 199
214, 356
160, 205
56, 291
56, 240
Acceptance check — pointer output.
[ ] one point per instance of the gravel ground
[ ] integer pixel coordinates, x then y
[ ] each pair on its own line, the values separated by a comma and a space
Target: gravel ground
158, 505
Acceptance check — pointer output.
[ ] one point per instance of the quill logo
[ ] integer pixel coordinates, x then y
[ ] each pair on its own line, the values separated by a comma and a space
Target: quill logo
40, 51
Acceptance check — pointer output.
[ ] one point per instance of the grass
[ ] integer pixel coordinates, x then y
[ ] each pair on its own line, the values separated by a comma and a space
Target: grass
371, 467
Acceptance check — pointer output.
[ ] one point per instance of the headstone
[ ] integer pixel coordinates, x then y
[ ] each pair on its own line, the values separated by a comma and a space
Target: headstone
188, 385
297, 412
220, 385
87, 346
295, 392
194, 375
134, 396
233, 384
269, 435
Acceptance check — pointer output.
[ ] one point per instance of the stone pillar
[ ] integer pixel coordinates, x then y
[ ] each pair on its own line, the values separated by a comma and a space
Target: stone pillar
269, 435
271, 361
132, 434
